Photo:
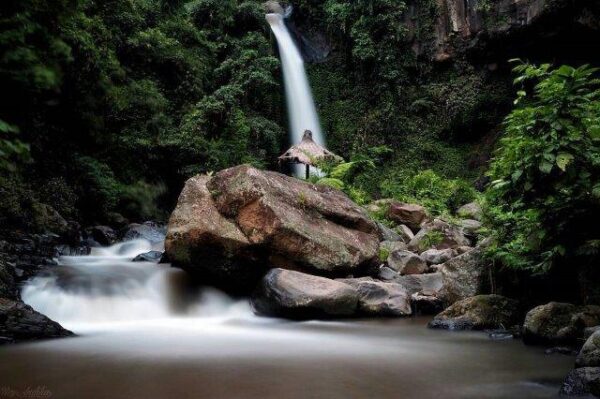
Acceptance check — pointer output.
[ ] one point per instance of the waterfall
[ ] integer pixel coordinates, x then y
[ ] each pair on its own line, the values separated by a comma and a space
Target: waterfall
302, 112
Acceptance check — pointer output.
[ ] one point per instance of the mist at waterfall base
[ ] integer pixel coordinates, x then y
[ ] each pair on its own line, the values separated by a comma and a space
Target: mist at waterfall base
302, 112
145, 331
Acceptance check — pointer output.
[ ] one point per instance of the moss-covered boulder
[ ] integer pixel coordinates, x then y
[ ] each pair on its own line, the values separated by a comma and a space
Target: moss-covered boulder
478, 313
589, 356
558, 323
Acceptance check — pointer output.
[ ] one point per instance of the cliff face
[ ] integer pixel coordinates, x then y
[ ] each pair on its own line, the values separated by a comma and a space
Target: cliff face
471, 21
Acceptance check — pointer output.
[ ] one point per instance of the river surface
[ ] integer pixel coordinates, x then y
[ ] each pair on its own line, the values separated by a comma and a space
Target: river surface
143, 333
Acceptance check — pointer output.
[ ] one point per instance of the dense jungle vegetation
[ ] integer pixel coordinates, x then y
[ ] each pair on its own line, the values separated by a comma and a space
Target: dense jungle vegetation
108, 106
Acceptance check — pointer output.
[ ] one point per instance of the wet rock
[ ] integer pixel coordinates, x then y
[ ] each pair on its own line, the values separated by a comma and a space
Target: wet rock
437, 256
478, 313
582, 381
151, 231
411, 215
589, 356
19, 322
472, 210
438, 234
558, 323
150, 256
405, 262
103, 235
231, 226
296, 295
377, 298
463, 249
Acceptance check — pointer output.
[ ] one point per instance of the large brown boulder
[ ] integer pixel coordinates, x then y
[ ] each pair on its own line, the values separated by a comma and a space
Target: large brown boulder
478, 313
411, 215
558, 323
295, 295
231, 227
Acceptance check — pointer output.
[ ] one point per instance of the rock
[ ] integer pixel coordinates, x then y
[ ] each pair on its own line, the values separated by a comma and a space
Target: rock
463, 249
561, 350
46, 218
8, 287
151, 231
587, 332
379, 207
103, 235
19, 322
425, 304
385, 273
470, 226
411, 215
478, 313
391, 246
376, 298
501, 335
589, 356
558, 323
582, 381
439, 235
296, 295
437, 256
425, 284
387, 234
150, 256
405, 233
228, 228
472, 210
117, 220
463, 276
405, 262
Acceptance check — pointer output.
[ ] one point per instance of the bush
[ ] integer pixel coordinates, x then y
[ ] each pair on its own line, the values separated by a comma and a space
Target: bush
546, 189
441, 196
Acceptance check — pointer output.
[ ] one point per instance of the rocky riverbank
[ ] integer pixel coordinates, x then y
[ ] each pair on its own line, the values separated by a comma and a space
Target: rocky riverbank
305, 251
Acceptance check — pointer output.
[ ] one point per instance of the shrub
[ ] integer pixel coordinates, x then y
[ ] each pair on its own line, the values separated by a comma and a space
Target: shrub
546, 190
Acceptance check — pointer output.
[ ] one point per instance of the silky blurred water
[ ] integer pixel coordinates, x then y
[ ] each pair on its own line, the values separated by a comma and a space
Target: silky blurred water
146, 332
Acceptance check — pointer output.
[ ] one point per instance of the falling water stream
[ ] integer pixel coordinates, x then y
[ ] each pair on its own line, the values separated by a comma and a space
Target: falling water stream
145, 332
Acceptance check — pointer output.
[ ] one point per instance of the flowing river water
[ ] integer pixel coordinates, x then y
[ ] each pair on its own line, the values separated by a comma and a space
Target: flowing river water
144, 332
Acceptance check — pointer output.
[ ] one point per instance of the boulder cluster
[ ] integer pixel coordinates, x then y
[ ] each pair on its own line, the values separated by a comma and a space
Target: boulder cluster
307, 251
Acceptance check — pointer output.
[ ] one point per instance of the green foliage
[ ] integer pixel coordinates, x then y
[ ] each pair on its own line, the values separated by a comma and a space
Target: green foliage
439, 195
545, 189
431, 239
331, 182
12, 150
384, 253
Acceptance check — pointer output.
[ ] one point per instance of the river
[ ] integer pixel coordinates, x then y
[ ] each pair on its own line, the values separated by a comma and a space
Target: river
143, 332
